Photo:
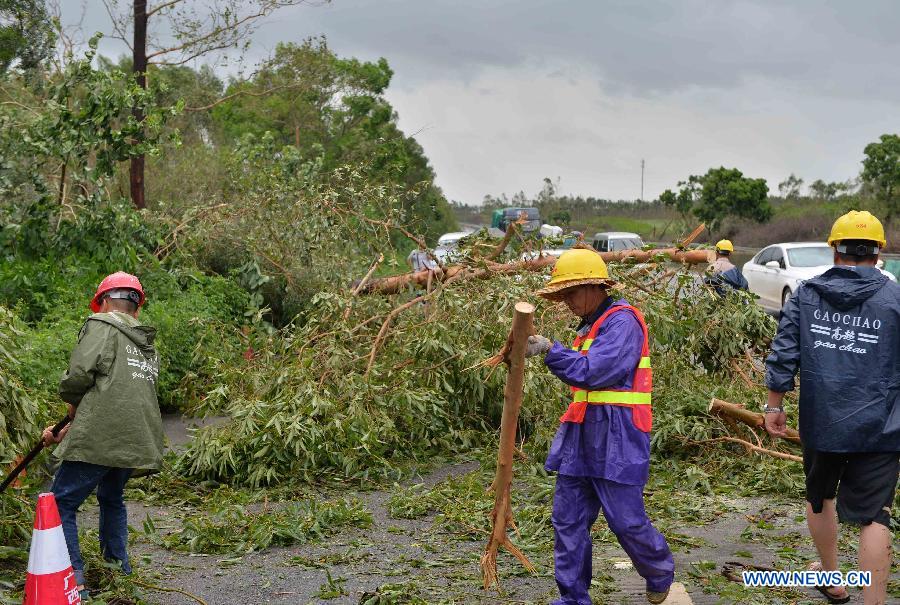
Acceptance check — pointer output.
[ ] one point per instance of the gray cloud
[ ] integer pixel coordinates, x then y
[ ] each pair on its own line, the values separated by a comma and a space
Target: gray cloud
505, 92
636, 47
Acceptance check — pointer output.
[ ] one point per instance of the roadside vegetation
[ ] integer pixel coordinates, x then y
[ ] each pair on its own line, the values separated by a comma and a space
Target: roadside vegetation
267, 197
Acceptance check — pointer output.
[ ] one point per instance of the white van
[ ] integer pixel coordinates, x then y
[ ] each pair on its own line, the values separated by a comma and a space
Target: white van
613, 241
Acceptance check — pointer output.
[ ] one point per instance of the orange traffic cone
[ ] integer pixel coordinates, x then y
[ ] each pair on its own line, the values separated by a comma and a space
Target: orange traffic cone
51, 580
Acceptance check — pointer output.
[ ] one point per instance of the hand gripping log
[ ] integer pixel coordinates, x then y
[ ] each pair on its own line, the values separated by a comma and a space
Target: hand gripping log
34, 452
501, 516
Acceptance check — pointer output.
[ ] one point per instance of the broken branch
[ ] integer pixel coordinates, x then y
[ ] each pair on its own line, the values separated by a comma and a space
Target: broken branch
694, 234
752, 448
502, 516
739, 412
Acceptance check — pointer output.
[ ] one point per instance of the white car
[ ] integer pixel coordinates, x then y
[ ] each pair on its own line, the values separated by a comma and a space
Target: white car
775, 272
449, 239
446, 249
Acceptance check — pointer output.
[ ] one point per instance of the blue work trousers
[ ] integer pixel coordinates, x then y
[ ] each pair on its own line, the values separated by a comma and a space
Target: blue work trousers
576, 505
73, 483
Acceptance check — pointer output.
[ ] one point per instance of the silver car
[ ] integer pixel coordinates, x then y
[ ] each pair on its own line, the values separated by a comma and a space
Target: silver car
613, 241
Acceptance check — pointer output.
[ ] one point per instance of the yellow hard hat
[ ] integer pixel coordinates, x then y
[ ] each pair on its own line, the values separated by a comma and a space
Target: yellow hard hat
724, 245
576, 267
857, 225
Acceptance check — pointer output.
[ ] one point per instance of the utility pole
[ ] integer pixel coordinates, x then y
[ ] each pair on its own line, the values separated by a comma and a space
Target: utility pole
139, 67
642, 179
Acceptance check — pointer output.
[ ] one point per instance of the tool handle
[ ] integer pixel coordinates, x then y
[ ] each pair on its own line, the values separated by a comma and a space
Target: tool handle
34, 452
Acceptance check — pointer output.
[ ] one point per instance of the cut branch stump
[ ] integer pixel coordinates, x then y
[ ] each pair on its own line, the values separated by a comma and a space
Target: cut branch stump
739, 412
502, 516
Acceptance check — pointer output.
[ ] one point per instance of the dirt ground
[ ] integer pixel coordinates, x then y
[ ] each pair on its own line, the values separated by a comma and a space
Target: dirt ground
396, 558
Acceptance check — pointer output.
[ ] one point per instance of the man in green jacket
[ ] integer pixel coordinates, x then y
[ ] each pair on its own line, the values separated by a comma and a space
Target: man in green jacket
116, 429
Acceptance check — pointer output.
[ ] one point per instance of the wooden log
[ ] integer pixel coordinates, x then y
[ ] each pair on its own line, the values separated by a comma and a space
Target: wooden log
398, 283
502, 516
739, 412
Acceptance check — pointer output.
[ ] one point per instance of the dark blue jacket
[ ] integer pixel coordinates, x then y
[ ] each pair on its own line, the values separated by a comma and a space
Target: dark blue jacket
841, 330
732, 278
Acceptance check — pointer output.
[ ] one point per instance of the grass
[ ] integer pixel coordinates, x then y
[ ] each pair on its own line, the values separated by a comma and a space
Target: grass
648, 229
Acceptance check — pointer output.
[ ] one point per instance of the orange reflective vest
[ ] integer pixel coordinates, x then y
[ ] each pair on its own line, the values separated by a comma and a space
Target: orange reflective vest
638, 397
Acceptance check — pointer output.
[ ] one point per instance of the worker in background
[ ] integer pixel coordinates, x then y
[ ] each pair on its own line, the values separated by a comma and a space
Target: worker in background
116, 429
420, 260
842, 329
722, 273
601, 452
723, 263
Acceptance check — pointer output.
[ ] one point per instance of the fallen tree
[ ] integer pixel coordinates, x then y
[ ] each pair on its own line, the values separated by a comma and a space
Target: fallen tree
337, 411
399, 283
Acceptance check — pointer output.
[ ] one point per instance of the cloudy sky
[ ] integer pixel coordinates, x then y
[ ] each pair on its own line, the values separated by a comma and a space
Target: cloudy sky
502, 93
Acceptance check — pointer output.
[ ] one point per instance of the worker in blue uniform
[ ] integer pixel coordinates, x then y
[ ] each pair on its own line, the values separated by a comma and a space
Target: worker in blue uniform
601, 452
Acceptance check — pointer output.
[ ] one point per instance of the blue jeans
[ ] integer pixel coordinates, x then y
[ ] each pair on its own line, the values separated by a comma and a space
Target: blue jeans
73, 483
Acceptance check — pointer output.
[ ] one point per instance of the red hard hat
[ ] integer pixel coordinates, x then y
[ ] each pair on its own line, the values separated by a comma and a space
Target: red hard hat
120, 279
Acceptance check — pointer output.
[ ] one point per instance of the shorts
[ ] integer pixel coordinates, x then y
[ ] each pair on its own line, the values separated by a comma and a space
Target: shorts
864, 483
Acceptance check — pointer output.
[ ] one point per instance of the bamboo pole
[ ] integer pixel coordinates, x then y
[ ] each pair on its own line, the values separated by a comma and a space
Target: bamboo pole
502, 516
398, 283
739, 412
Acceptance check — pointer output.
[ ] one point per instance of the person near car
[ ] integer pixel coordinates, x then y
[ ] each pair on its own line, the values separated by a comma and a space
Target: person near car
722, 272
116, 429
841, 331
601, 452
420, 260
723, 263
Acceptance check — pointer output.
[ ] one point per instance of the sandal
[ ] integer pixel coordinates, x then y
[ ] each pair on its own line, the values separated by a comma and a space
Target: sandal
830, 596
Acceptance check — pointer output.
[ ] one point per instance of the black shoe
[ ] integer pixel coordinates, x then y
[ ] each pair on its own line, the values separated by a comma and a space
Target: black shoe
658, 597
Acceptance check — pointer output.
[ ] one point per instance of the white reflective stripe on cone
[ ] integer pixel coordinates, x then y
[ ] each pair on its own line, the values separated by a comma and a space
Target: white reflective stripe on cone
48, 552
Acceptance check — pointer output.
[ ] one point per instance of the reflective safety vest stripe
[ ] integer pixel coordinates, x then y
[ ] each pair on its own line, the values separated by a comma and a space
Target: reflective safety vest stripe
638, 398
617, 397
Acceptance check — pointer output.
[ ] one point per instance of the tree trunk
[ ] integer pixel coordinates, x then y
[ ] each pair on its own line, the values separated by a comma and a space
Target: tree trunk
501, 516
398, 283
139, 59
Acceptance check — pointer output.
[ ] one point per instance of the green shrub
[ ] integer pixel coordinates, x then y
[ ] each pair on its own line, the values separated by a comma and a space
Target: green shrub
187, 308
18, 411
20, 419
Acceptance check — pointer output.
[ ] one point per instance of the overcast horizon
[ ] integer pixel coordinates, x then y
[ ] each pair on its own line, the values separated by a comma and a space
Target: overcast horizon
502, 94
